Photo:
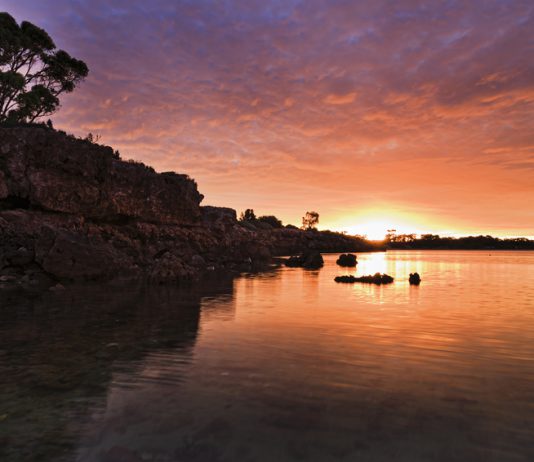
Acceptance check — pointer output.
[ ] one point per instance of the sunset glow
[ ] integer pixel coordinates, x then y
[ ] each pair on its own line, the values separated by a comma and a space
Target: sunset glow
406, 115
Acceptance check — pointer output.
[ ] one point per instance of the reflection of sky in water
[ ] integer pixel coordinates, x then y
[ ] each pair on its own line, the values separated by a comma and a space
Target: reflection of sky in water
291, 366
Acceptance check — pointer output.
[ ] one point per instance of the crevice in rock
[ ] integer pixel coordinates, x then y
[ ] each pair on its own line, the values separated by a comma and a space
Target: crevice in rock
15, 202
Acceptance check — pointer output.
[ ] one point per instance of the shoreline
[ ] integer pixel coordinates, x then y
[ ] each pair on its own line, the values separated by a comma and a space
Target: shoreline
72, 210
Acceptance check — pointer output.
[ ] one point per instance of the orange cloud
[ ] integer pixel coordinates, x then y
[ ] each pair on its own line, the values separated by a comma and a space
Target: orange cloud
340, 99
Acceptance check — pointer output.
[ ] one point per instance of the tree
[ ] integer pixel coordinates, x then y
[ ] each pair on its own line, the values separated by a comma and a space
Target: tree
310, 220
248, 215
33, 73
391, 235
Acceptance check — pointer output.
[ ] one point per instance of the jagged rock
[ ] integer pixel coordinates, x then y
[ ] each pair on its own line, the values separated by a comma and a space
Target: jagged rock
376, 278
51, 171
218, 217
347, 259
414, 279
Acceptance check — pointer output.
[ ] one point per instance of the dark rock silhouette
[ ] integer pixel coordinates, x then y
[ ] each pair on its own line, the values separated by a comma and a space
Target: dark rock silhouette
347, 259
415, 279
52, 172
71, 210
371, 279
309, 260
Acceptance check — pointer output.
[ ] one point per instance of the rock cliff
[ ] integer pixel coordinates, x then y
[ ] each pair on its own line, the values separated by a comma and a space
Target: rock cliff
71, 210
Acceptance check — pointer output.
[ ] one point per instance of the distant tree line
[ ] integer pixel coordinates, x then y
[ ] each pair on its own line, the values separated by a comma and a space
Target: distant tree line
436, 242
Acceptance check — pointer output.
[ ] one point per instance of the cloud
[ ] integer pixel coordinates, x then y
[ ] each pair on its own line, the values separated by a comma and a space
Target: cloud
340, 99
317, 102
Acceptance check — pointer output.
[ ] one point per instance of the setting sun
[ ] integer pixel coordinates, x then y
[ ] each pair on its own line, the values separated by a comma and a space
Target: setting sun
375, 230
374, 223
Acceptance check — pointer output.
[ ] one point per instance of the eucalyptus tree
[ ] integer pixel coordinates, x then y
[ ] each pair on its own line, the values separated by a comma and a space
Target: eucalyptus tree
33, 72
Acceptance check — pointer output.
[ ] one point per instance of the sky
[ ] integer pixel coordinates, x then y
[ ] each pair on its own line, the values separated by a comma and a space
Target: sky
409, 115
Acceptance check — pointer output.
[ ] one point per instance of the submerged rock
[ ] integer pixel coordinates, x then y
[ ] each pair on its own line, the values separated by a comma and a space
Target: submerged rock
370, 279
415, 279
309, 260
347, 259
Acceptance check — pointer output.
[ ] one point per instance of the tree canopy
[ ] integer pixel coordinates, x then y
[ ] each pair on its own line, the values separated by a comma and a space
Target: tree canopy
33, 73
310, 220
248, 215
271, 220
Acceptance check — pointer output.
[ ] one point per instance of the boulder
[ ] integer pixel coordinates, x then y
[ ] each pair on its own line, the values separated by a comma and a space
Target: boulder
414, 279
309, 260
347, 259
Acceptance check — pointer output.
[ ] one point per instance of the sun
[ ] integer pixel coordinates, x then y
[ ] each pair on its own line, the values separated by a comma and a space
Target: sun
375, 230
375, 223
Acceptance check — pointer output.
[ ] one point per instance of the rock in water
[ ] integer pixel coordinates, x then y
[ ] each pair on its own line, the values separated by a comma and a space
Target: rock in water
415, 279
310, 259
347, 259
377, 279
313, 260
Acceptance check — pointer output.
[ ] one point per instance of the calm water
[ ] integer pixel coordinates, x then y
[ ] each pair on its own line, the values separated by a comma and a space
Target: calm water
282, 366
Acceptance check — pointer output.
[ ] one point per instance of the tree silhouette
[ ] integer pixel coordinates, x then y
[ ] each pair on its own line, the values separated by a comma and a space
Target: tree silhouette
248, 215
33, 73
310, 220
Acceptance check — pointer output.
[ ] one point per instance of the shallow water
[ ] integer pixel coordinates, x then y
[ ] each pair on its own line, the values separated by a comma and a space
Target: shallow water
281, 366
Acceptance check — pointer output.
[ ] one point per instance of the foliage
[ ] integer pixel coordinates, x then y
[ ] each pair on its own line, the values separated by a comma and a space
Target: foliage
310, 220
392, 236
33, 73
248, 215
271, 220
92, 138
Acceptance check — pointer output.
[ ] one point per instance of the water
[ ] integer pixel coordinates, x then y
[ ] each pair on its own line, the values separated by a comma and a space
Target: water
282, 366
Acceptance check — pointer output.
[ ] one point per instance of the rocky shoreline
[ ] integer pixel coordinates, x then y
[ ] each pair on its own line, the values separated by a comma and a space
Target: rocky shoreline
72, 210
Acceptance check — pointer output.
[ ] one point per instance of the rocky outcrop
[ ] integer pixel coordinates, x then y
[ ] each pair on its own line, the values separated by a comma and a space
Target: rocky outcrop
47, 170
71, 210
